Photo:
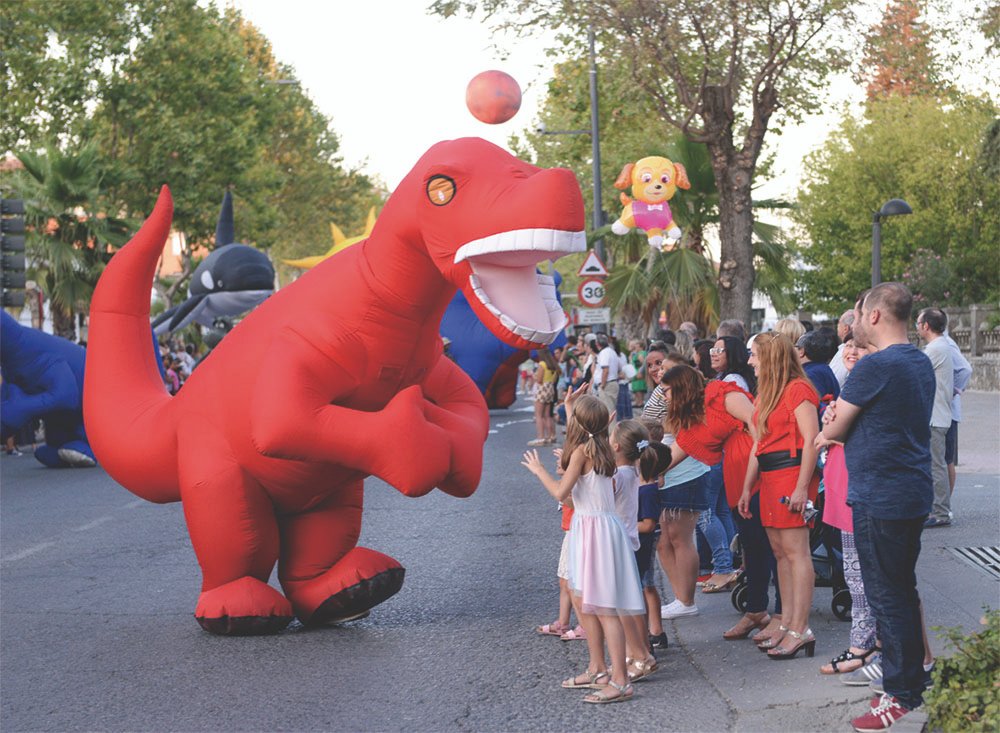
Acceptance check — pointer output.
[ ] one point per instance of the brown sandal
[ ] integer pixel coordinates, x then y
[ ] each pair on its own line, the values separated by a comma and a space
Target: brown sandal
742, 630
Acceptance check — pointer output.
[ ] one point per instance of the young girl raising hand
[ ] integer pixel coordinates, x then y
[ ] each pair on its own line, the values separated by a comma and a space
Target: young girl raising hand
602, 569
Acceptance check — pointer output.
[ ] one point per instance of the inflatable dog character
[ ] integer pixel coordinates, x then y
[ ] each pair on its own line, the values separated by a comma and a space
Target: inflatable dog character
654, 181
334, 378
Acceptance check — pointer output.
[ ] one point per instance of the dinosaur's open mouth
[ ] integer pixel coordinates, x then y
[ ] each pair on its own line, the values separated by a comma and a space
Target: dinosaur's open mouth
506, 283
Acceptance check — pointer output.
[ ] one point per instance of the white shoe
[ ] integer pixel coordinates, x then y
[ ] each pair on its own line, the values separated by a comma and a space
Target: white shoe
76, 459
676, 609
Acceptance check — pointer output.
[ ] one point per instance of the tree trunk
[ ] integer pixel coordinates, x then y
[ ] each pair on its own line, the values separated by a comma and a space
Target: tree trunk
736, 272
734, 169
629, 324
63, 323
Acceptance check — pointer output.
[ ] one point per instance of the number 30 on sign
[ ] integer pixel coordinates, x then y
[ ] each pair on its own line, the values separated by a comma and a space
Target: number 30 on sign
592, 293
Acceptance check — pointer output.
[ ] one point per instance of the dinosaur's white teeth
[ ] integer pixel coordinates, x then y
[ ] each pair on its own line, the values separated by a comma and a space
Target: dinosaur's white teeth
556, 317
528, 240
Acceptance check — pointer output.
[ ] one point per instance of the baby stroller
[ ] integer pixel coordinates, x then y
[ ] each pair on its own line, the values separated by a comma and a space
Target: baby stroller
828, 564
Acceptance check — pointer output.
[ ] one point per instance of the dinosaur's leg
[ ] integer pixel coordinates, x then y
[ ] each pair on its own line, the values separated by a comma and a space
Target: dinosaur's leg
235, 537
327, 577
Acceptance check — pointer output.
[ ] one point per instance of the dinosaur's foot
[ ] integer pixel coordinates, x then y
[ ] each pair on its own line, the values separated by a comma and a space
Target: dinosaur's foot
244, 607
361, 580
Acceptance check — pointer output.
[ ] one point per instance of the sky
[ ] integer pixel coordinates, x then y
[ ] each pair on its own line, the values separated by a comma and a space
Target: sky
392, 80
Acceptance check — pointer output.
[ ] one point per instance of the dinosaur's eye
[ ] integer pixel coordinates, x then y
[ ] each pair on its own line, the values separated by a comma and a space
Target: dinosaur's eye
664, 178
440, 190
646, 178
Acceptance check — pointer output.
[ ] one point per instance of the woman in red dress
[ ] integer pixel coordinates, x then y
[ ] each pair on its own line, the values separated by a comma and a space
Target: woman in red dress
785, 459
714, 422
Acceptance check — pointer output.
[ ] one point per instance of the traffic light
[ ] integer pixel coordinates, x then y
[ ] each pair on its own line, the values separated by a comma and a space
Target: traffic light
12, 252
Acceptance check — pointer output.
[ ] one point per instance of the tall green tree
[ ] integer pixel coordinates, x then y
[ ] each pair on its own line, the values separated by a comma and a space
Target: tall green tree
718, 72
928, 153
58, 56
641, 286
179, 92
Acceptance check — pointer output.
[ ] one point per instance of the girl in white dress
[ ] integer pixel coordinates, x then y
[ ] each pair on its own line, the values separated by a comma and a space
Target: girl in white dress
629, 441
602, 570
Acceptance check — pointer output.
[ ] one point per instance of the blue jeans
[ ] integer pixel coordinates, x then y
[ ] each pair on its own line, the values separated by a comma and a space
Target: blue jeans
711, 526
758, 560
888, 551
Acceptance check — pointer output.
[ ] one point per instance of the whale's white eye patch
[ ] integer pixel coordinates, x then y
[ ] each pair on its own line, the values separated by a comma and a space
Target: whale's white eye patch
206, 280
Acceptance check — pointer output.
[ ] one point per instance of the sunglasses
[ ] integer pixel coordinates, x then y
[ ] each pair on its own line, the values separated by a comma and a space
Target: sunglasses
716, 351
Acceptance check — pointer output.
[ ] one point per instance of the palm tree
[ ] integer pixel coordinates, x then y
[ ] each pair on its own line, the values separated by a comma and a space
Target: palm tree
69, 232
683, 281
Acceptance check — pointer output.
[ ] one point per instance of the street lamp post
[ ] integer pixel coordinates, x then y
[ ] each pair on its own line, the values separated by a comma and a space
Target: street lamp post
892, 207
595, 142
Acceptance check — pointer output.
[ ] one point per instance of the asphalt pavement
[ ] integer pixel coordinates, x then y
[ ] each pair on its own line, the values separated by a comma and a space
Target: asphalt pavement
97, 590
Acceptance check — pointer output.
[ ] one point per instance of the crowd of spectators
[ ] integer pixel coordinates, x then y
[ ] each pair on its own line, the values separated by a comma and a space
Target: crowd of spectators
857, 406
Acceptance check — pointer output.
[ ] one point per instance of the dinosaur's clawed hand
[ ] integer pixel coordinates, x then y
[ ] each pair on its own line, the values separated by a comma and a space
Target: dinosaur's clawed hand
417, 456
465, 442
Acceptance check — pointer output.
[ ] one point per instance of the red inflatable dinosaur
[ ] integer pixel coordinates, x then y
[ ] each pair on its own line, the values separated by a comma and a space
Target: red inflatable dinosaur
334, 378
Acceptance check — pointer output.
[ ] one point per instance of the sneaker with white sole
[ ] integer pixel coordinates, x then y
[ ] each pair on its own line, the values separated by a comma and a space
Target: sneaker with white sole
676, 609
880, 716
864, 676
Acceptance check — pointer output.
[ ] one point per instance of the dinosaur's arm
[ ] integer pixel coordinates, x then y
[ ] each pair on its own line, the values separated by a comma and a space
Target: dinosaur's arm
295, 416
457, 406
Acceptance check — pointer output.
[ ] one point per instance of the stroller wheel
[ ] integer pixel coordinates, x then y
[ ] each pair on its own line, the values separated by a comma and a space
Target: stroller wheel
841, 604
739, 597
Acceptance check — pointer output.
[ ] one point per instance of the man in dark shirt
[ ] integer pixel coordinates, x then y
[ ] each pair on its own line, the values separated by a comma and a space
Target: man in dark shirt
883, 417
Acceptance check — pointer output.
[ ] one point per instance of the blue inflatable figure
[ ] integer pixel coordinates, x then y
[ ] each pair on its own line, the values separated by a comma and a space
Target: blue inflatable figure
43, 379
492, 364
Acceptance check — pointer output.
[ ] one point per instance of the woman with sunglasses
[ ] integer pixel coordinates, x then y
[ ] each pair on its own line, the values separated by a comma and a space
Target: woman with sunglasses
729, 360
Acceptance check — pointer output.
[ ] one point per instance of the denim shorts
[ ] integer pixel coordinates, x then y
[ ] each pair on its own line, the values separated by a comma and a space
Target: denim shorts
691, 496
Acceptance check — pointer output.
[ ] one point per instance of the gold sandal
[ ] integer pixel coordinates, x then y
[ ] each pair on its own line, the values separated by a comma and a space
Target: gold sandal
642, 670
625, 693
590, 684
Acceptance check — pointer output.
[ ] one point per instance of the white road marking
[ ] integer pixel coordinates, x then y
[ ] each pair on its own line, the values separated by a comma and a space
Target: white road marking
513, 422
134, 504
91, 525
28, 551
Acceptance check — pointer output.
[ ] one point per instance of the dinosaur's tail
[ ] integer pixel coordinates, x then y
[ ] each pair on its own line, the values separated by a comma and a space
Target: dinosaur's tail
125, 405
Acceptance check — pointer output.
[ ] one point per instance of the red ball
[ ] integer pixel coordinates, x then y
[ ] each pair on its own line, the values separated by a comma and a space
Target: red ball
493, 97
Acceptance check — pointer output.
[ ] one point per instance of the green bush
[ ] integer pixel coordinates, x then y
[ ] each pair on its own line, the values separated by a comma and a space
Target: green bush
966, 692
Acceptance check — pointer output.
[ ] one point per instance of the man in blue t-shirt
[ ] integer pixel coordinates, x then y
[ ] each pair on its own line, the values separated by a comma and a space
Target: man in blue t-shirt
883, 418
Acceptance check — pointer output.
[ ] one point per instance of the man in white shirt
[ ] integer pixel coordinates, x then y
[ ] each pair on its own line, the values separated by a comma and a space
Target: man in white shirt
963, 373
931, 325
605, 383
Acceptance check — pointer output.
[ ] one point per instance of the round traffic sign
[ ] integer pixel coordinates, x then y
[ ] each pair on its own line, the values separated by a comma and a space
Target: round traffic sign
592, 293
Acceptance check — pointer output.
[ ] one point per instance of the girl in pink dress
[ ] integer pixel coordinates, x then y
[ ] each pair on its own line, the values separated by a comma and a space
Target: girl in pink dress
837, 514
601, 565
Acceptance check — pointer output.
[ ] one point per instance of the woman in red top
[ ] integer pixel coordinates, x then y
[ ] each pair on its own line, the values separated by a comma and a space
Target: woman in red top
785, 458
713, 423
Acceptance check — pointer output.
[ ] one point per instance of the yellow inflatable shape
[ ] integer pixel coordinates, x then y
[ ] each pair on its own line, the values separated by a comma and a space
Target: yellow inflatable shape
340, 242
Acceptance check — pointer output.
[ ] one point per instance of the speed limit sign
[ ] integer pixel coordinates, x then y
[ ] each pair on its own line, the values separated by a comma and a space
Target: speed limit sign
592, 293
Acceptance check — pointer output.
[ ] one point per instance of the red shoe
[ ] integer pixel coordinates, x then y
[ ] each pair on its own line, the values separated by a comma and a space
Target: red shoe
881, 716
